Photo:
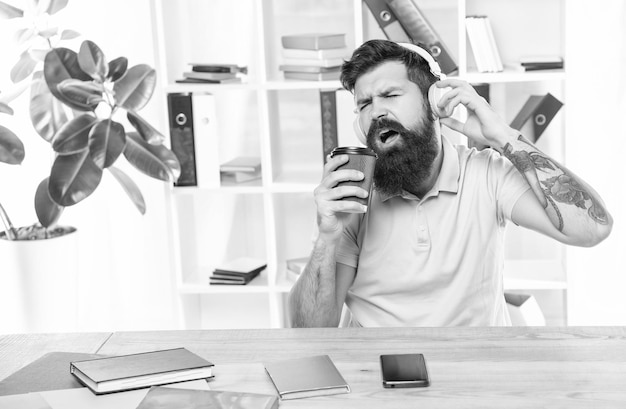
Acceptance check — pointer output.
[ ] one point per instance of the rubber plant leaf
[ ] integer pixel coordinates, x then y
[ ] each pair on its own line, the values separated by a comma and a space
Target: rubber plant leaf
24, 34
69, 34
149, 133
117, 68
8, 11
48, 212
61, 64
131, 189
106, 142
49, 32
55, 6
80, 95
11, 148
92, 60
155, 161
73, 178
46, 112
23, 68
135, 88
5, 109
74, 135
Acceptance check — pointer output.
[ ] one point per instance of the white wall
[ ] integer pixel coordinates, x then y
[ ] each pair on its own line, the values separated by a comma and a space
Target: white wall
124, 257
596, 144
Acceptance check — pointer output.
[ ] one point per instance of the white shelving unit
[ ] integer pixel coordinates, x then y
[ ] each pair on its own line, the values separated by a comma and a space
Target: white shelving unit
279, 121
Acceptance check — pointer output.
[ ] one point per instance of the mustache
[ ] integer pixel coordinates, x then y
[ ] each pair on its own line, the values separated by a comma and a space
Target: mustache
385, 123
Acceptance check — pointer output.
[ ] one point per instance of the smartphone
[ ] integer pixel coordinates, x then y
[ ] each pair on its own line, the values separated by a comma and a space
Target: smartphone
404, 371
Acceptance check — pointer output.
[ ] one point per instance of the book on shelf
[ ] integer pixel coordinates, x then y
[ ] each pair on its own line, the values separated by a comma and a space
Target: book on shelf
403, 21
314, 41
221, 279
535, 115
322, 54
239, 177
194, 138
235, 80
242, 266
159, 397
214, 76
219, 68
242, 164
536, 63
134, 371
337, 116
307, 68
306, 377
314, 62
312, 76
483, 44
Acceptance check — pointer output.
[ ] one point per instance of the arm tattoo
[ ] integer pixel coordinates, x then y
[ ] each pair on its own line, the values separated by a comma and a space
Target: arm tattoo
553, 184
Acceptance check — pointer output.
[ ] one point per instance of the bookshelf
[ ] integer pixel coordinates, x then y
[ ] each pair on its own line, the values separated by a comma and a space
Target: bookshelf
279, 120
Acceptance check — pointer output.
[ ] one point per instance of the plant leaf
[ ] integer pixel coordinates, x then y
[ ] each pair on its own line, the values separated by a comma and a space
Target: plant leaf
49, 32
80, 95
106, 142
55, 6
74, 135
48, 212
134, 89
147, 131
11, 148
37, 54
61, 64
73, 178
5, 109
155, 161
8, 11
46, 112
117, 68
69, 34
23, 68
92, 61
24, 34
131, 189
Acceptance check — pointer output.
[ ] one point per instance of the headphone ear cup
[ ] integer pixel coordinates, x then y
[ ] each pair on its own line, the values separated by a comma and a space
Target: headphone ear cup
434, 96
359, 131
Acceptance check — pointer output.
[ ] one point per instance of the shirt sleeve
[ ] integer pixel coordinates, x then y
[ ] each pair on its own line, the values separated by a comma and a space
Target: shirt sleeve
349, 247
506, 182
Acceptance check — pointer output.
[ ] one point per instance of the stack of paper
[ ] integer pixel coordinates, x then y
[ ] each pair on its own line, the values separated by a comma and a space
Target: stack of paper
241, 169
213, 73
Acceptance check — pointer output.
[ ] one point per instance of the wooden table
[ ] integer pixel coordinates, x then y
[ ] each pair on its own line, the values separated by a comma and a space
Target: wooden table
469, 367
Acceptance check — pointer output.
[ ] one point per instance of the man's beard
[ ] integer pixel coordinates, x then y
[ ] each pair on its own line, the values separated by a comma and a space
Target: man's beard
407, 163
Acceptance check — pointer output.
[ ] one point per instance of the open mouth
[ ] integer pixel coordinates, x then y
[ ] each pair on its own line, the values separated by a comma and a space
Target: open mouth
388, 136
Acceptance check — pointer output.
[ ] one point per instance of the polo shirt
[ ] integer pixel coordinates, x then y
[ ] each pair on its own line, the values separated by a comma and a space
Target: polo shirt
436, 260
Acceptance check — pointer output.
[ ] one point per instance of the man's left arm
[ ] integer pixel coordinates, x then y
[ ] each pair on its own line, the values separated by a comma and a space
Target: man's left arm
559, 203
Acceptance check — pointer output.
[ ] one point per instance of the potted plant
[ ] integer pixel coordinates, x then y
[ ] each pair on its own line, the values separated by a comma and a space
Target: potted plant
86, 107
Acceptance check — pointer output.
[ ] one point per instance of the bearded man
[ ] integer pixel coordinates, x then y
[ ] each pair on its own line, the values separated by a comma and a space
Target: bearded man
428, 250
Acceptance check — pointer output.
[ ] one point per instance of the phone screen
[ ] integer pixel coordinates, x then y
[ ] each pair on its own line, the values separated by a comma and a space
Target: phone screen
404, 370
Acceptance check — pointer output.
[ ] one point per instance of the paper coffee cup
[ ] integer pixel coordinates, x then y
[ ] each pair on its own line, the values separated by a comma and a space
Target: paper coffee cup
362, 159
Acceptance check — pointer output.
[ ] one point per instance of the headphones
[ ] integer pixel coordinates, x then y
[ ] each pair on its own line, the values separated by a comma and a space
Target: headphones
434, 93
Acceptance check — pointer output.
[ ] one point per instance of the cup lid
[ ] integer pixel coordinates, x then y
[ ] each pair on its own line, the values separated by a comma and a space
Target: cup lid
352, 150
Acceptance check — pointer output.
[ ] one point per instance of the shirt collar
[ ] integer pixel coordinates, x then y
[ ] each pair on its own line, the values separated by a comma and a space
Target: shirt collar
448, 180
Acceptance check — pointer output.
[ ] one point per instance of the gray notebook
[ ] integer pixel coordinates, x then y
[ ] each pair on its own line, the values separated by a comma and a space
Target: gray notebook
305, 377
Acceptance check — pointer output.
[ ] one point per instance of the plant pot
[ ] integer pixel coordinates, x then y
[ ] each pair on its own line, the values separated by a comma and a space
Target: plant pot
39, 284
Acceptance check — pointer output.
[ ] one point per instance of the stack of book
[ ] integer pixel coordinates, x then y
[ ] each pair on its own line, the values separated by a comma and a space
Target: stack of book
214, 74
239, 271
536, 63
313, 56
483, 44
241, 169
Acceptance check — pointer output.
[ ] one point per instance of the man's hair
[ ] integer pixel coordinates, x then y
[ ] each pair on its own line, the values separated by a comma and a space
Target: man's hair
373, 53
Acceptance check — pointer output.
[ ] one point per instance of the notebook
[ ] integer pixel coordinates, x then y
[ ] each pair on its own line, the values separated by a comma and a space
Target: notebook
126, 372
306, 377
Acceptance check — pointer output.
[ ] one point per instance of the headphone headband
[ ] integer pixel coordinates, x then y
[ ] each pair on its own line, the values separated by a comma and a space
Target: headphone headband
435, 69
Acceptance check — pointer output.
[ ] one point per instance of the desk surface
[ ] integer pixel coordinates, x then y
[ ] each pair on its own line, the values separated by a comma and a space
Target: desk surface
469, 367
